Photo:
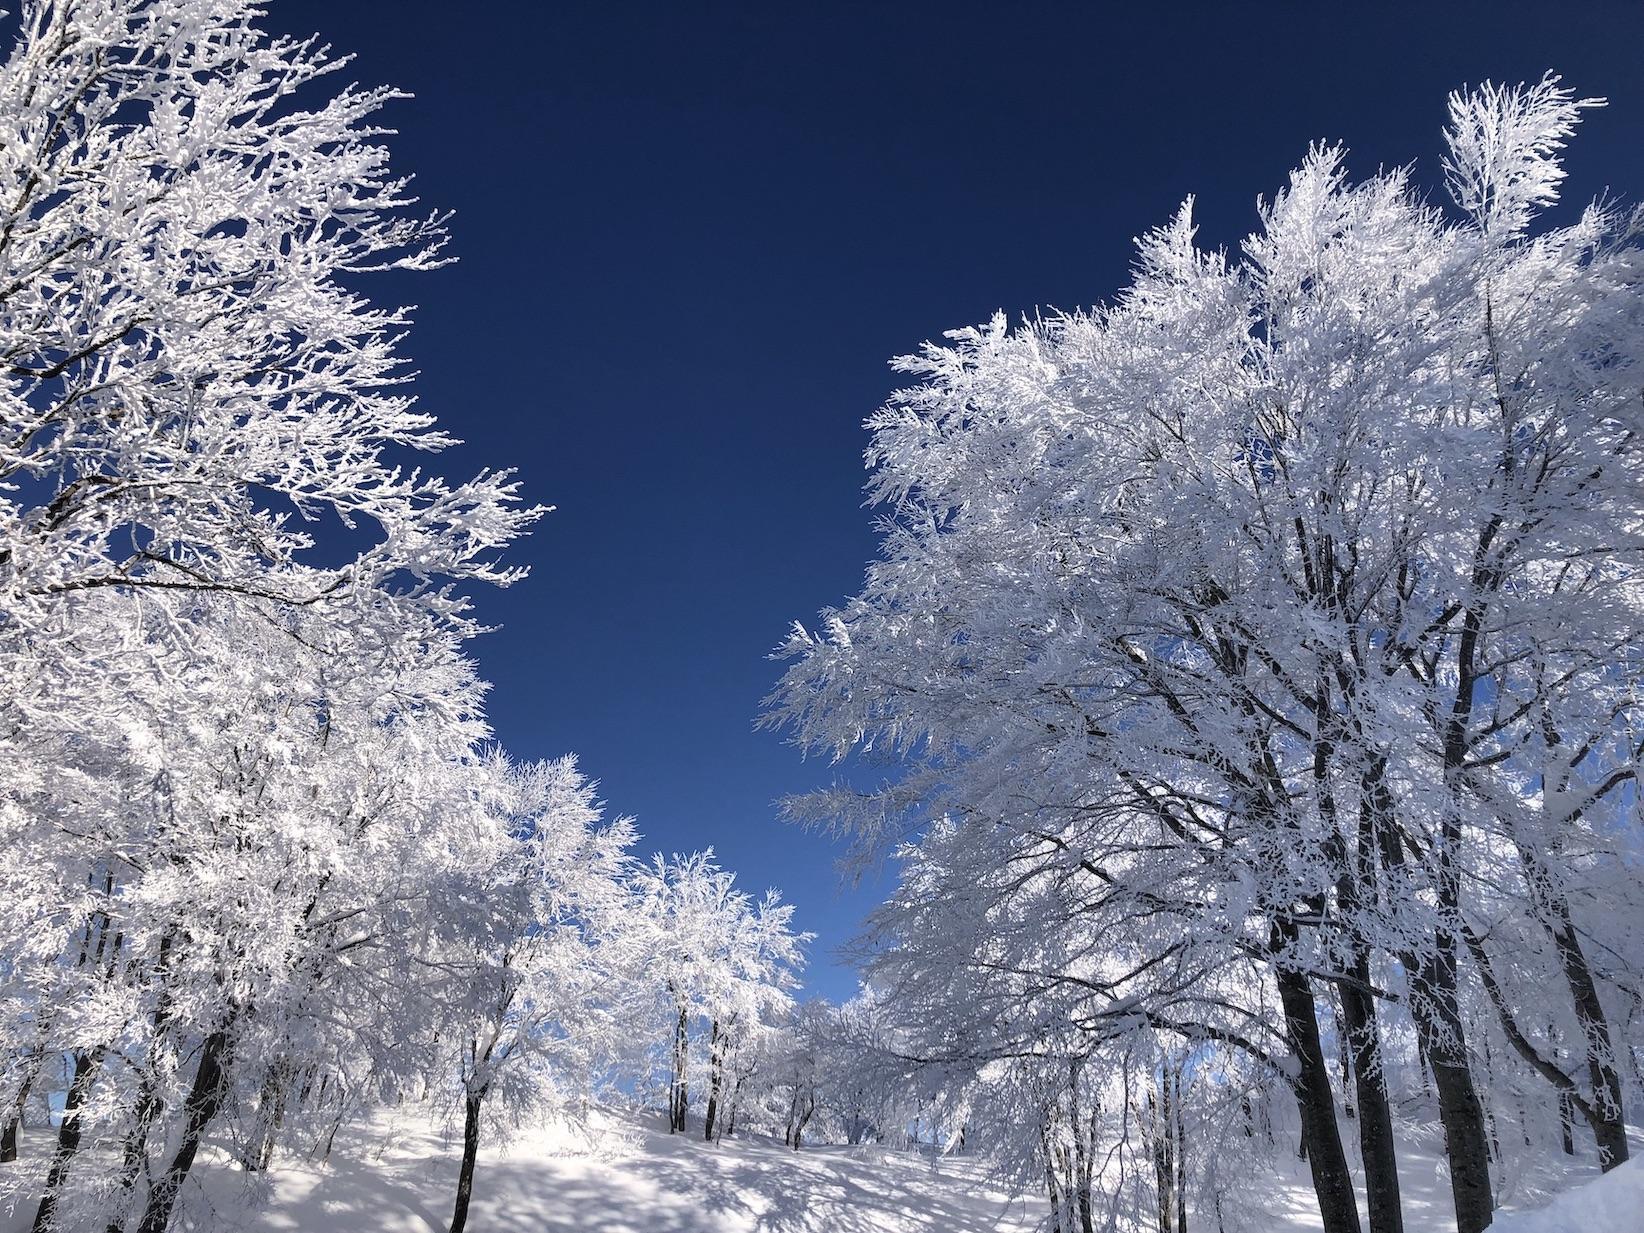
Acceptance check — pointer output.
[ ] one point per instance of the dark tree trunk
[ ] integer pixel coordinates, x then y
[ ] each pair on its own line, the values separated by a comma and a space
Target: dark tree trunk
204, 1099
1344, 1061
14, 1124
1435, 1008
1052, 1190
804, 1119
1180, 1121
1434, 1003
1361, 1032
1609, 1117
135, 1152
68, 1137
677, 1094
258, 1152
1376, 1143
1082, 1165
470, 1153
1333, 1183
715, 1071
1441, 1037
1160, 1116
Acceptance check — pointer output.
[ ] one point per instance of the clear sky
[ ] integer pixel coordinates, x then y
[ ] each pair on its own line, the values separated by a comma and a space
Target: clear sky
692, 235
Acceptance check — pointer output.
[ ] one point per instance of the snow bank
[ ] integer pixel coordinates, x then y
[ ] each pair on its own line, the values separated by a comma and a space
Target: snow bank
1613, 1203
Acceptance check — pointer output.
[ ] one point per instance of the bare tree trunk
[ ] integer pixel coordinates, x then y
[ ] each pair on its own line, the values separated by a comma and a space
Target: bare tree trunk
258, 1152
1082, 1164
86, 1064
1158, 1111
1052, 1190
716, 1065
1333, 1183
205, 1098
1377, 1147
1180, 1150
677, 1094
1436, 1008
1434, 1001
1344, 1059
134, 1155
14, 1124
470, 1153
1361, 1033
1609, 1120
804, 1119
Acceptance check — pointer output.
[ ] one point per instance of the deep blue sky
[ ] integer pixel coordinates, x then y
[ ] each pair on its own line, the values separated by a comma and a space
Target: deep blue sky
691, 236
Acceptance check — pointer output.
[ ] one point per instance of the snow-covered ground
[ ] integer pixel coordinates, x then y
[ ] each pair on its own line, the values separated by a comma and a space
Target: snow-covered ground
1524, 1194
628, 1175
1613, 1203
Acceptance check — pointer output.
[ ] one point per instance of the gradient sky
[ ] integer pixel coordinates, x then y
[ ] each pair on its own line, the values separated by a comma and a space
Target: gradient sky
692, 235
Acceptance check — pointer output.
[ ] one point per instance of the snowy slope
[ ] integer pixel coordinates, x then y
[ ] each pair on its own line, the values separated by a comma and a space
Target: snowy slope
632, 1178
1524, 1195
1613, 1203
628, 1175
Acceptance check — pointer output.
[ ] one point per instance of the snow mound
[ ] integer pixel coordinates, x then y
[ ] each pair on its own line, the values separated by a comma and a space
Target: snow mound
1612, 1203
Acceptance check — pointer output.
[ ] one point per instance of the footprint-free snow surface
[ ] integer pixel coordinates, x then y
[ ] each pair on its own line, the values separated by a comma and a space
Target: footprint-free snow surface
630, 1176
626, 1174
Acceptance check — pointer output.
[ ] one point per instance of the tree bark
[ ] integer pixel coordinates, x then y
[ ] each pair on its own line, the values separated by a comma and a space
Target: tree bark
14, 1124
470, 1153
68, 1137
677, 1094
804, 1120
134, 1154
1436, 1009
204, 1099
1609, 1121
715, 1071
1362, 1034
1181, 1154
1434, 1002
1332, 1181
258, 1151
1442, 1039
1377, 1146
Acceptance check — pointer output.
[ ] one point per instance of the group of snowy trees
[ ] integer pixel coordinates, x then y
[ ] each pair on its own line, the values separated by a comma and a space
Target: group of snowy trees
726, 963
262, 868
1260, 656
1259, 660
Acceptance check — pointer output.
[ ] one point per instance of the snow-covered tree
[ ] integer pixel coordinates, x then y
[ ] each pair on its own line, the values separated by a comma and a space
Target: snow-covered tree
192, 388
530, 975
213, 906
241, 738
1266, 642
724, 964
